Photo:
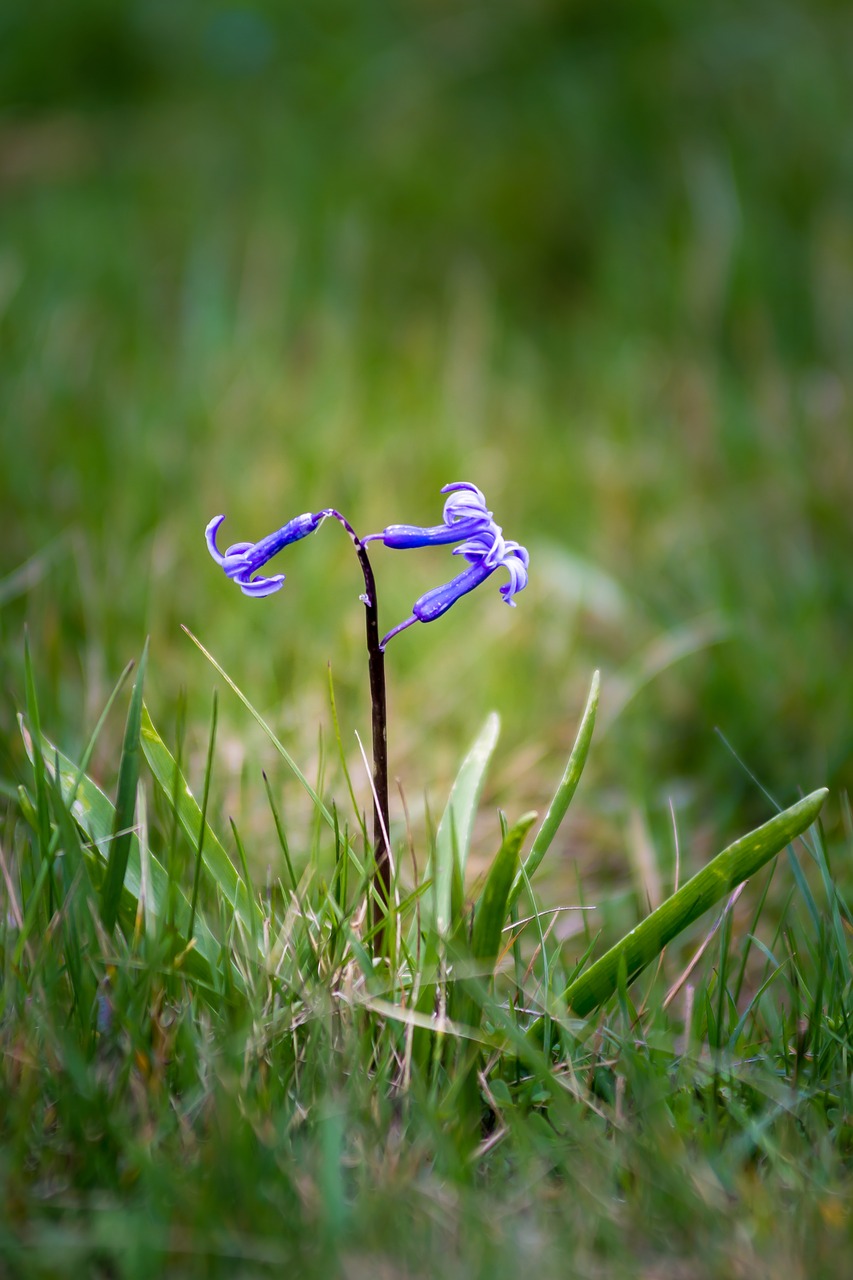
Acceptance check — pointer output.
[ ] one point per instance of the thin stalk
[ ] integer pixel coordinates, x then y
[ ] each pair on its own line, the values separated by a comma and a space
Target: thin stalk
376, 672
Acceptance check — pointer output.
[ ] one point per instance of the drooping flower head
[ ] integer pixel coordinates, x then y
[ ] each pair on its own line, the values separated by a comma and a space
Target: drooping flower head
465, 514
242, 560
467, 520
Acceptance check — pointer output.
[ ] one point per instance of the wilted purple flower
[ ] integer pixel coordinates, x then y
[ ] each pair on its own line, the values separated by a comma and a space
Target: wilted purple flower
243, 559
466, 520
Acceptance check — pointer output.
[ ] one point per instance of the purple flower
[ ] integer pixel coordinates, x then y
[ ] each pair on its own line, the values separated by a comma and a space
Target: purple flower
468, 521
243, 559
465, 514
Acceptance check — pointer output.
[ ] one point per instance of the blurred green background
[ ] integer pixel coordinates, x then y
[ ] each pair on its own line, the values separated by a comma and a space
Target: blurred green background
265, 258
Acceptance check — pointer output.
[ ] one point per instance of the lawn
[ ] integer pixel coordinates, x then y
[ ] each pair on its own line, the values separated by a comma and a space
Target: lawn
267, 260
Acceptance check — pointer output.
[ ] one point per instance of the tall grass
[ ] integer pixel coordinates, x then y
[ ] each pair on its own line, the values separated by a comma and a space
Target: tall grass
198, 1073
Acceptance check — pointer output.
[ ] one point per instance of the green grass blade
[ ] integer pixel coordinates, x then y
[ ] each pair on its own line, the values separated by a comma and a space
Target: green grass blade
256, 715
94, 813
469, 994
102, 718
343, 759
282, 837
493, 905
565, 791
202, 825
125, 808
42, 813
453, 837
215, 859
735, 864
253, 916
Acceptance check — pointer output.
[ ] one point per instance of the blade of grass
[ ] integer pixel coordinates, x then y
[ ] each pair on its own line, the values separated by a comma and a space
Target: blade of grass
42, 812
202, 825
282, 838
213, 855
736, 863
94, 813
565, 791
457, 822
493, 904
343, 759
125, 808
256, 715
469, 995
247, 877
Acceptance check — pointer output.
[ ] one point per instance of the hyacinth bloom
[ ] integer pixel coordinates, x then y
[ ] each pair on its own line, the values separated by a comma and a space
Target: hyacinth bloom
468, 521
465, 514
242, 560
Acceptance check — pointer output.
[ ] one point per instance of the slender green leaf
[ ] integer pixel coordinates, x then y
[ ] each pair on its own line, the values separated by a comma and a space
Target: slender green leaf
490, 914
493, 905
565, 791
202, 825
457, 823
280, 748
125, 808
42, 814
215, 859
94, 813
729, 869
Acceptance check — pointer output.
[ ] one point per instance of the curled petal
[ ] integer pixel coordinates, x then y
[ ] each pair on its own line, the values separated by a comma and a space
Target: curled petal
210, 537
515, 562
466, 503
242, 560
259, 587
487, 544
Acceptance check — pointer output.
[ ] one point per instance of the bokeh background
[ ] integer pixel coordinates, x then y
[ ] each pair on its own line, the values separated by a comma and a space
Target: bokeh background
264, 258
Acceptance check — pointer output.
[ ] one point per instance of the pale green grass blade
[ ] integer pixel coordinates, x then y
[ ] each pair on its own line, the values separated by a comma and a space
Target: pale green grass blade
453, 837
94, 812
42, 815
469, 996
253, 916
256, 715
125, 808
493, 905
565, 791
202, 824
359, 816
282, 837
102, 718
834, 900
735, 864
215, 859
32, 908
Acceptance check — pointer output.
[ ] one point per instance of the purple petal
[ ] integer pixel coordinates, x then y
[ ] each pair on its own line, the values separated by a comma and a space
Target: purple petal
517, 578
402, 537
466, 502
259, 587
437, 601
210, 537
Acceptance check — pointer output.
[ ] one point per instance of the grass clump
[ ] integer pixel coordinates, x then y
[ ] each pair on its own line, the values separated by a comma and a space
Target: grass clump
199, 1076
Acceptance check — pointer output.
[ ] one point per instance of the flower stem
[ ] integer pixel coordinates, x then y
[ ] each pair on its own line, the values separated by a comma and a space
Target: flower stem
376, 671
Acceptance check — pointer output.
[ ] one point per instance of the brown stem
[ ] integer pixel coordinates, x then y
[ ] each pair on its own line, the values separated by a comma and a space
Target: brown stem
376, 670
